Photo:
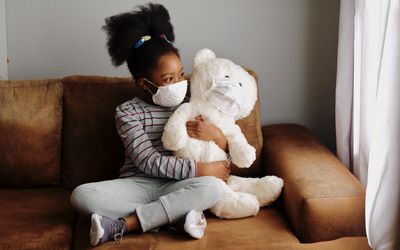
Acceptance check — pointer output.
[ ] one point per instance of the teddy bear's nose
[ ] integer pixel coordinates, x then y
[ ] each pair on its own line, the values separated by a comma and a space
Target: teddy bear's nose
240, 84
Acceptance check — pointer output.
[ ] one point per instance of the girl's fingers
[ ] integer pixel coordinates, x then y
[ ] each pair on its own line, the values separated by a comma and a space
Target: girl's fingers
193, 134
191, 127
199, 118
191, 130
191, 123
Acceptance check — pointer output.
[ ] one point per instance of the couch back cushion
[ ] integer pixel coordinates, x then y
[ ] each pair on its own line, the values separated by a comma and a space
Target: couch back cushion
30, 133
92, 149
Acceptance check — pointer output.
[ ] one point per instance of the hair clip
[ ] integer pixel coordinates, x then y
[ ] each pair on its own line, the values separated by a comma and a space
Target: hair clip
141, 41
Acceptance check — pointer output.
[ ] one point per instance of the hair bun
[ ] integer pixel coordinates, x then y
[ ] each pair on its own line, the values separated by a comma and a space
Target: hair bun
160, 22
125, 28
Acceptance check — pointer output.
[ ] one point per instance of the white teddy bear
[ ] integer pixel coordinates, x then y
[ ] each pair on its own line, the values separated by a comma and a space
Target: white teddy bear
222, 92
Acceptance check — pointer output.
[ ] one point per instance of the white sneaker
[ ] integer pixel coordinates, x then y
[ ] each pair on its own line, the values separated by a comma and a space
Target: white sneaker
195, 224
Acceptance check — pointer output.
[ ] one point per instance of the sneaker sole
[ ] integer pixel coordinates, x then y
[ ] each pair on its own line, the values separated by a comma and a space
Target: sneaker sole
96, 231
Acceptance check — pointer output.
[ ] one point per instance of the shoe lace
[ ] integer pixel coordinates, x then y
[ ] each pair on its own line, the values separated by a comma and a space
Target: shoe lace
117, 231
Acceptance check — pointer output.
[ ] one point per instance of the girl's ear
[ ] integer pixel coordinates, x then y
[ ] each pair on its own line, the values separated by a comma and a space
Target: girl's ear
141, 83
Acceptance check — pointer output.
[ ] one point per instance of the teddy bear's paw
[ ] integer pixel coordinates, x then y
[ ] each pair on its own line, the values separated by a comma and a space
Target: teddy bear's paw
267, 189
244, 158
235, 205
241, 184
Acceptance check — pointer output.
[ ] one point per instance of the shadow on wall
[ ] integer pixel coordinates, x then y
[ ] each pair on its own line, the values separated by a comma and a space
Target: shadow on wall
322, 42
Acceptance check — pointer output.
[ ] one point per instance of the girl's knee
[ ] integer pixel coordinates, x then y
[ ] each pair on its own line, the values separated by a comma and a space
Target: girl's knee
80, 195
212, 187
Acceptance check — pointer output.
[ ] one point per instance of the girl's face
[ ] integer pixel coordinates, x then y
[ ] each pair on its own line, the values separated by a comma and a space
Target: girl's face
168, 71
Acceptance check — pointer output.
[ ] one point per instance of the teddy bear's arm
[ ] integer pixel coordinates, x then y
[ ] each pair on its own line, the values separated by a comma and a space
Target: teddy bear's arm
242, 153
175, 134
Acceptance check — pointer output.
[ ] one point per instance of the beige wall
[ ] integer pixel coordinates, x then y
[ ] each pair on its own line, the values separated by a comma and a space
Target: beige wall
3, 42
291, 44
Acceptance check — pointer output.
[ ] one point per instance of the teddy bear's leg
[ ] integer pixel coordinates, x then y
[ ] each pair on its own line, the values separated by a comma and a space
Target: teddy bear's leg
266, 189
235, 205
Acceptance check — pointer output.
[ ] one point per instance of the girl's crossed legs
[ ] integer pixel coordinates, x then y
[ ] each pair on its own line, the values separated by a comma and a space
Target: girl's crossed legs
153, 202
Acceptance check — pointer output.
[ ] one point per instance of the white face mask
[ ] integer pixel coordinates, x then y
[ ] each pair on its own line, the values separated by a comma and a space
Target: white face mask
170, 95
226, 95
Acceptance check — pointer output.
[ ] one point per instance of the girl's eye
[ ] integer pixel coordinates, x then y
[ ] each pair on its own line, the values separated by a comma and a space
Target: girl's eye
182, 74
169, 79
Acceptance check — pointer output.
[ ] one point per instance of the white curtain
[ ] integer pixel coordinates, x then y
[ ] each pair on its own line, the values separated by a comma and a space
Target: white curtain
368, 109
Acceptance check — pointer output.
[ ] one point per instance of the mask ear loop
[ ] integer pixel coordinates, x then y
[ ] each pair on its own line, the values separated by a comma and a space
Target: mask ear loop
151, 84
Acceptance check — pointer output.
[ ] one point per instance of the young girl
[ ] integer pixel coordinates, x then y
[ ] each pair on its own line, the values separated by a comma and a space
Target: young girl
154, 188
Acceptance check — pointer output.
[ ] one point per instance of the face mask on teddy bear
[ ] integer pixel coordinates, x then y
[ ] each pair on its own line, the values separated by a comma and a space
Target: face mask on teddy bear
226, 95
171, 95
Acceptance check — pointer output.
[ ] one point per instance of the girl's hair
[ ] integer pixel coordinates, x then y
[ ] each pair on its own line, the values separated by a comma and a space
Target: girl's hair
125, 29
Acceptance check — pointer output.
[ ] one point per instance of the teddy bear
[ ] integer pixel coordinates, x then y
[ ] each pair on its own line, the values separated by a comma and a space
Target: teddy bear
222, 92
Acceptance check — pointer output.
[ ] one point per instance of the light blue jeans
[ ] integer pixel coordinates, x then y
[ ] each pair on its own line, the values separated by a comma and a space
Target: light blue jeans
156, 202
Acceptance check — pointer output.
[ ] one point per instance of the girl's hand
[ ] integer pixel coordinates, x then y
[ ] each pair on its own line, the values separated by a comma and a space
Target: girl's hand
201, 130
219, 169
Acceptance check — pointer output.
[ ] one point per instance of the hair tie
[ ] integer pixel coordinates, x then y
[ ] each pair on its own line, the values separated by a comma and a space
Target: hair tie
141, 41
163, 36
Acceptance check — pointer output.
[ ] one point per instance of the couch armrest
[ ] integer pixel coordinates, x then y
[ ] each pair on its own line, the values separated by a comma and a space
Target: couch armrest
321, 198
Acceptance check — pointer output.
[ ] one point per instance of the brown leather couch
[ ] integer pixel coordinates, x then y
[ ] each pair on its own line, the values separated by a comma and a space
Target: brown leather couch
59, 133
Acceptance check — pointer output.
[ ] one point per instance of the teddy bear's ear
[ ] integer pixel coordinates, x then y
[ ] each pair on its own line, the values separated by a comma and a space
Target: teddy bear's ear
203, 56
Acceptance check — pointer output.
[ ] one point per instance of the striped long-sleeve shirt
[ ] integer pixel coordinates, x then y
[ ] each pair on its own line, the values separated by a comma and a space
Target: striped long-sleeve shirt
140, 126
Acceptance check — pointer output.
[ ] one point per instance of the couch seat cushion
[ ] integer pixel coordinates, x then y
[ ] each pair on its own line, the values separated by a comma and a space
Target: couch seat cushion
268, 227
36, 219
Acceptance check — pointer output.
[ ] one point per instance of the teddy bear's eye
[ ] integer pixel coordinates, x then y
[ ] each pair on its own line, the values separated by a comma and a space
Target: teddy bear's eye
240, 84
227, 76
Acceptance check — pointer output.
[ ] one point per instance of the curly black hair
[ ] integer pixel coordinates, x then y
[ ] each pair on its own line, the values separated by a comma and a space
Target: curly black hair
124, 29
